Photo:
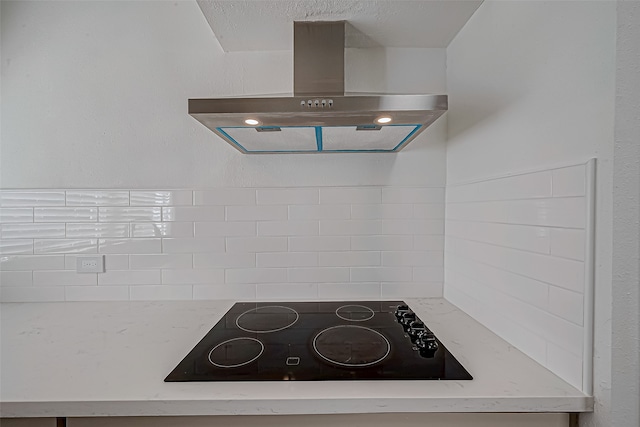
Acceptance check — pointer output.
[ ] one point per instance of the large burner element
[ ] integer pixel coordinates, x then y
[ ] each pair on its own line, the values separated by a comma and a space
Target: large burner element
353, 346
235, 352
262, 320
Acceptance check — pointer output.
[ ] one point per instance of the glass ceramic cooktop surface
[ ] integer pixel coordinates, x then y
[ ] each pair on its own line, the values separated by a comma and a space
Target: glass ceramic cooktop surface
311, 341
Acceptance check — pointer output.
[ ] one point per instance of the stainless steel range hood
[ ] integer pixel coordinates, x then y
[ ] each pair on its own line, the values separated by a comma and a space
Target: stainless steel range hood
319, 117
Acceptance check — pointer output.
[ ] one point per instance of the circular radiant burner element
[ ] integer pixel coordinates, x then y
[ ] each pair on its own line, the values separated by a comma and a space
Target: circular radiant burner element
352, 346
354, 313
266, 319
235, 352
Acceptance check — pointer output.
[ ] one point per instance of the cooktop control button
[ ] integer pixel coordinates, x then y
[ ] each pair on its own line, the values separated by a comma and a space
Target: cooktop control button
416, 329
293, 361
427, 345
401, 310
407, 318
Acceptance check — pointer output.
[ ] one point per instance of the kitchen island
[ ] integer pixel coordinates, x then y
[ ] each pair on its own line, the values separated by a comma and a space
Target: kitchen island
109, 359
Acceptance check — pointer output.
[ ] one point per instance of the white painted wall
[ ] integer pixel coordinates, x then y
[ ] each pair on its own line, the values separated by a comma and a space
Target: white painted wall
94, 95
531, 85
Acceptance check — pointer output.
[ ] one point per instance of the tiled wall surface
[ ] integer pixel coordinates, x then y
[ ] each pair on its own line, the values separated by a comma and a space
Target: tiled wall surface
515, 251
243, 243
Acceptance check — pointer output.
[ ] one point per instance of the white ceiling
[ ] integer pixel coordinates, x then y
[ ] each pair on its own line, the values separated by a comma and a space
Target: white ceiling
244, 25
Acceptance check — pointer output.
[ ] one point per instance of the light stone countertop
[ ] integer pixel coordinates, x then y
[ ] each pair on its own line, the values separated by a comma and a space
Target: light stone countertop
110, 358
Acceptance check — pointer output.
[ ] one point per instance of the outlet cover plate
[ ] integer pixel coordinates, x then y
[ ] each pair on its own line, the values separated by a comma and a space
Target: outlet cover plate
90, 264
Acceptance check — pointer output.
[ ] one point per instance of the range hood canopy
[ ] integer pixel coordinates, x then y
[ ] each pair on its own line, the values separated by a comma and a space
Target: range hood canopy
320, 117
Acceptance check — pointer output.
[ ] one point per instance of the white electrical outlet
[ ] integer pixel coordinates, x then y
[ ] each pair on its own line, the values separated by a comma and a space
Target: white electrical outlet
90, 264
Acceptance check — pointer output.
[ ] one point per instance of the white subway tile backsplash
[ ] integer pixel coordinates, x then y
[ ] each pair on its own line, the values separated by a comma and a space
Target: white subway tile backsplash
319, 275
568, 243
428, 274
130, 214
256, 244
413, 226
270, 243
8, 215
288, 228
161, 198
130, 277
235, 291
65, 246
16, 278
256, 213
286, 291
381, 243
130, 246
526, 186
349, 259
192, 245
382, 211
319, 212
32, 293
225, 228
428, 211
68, 214
152, 261
96, 293
63, 278
413, 258
192, 276
31, 262
381, 274
224, 260
13, 199
569, 181
97, 198
412, 195
193, 213
399, 290
353, 291
31, 231
256, 275
561, 272
525, 237
287, 196
287, 259
319, 243
514, 260
225, 196
532, 291
162, 229
427, 243
348, 227
566, 304
160, 292
88, 230
350, 195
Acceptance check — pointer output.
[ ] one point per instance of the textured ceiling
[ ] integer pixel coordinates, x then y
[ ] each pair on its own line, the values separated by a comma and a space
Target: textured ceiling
242, 25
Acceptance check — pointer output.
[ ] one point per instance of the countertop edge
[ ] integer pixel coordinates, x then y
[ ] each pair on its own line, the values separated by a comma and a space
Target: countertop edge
300, 406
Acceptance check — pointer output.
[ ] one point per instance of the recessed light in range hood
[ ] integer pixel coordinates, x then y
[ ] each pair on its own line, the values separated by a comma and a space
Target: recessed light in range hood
319, 117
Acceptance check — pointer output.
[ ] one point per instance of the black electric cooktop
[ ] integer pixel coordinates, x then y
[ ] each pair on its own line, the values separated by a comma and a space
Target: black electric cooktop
311, 341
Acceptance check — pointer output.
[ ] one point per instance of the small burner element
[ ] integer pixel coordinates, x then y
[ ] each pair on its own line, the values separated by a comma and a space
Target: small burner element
352, 346
354, 313
262, 320
235, 352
